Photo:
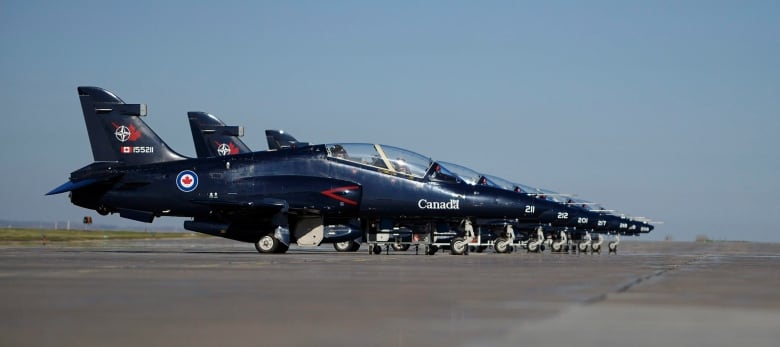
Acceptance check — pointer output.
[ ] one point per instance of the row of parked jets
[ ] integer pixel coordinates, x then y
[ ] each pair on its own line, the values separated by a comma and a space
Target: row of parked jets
340, 193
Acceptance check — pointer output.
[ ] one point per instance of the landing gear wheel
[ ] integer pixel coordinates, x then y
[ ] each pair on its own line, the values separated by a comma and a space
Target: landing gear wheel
532, 247
400, 247
595, 248
556, 247
102, 210
502, 245
583, 247
431, 250
346, 246
377, 249
458, 246
612, 247
281, 249
267, 244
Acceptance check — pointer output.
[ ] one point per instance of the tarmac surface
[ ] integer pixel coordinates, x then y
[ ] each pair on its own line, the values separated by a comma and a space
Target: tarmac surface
213, 292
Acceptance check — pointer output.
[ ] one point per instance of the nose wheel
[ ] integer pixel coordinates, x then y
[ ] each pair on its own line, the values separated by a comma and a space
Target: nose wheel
269, 244
534, 246
458, 246
596, 246
557, 246
613, 245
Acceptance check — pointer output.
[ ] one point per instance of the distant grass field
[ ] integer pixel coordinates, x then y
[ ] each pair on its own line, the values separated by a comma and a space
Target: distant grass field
39, 235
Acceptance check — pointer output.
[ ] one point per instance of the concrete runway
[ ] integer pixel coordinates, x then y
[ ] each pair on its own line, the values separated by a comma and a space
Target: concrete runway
213, 292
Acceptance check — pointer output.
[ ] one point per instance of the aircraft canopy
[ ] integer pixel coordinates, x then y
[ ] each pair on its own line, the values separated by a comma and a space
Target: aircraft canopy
393, 159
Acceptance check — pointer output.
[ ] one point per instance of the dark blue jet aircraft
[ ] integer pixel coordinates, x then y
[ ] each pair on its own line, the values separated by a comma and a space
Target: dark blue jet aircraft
253, 198
212, 138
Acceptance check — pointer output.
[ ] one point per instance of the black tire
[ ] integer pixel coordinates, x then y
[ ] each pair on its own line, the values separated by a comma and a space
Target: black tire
346, 246
400, 247
612, 247
431, 250
481, 249
377, 249
532, 247
582, 247
458, 246
555, 247
595, 248
502, 245
267, 244
281, 249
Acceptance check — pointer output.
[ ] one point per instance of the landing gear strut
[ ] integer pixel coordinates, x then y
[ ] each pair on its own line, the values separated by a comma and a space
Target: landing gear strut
585, 243
460, 245
536, 245
596, 246
557, 246
504, 243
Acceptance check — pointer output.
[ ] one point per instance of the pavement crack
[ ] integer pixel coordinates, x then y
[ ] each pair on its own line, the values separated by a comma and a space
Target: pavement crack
625, 287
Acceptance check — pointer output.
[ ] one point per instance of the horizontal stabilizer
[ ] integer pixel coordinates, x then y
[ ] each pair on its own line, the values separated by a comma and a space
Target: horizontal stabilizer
123, 109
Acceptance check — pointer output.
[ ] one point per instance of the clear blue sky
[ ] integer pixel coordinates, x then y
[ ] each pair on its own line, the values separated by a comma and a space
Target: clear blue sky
664, 109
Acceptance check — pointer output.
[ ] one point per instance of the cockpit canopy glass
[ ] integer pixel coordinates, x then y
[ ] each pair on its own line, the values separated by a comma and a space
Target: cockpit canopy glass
499, 182
465, 174
392, 159
552, 196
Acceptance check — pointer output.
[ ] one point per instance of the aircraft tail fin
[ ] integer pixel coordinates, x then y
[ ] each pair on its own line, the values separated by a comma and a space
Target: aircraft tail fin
116, 131
213, 138
278, 139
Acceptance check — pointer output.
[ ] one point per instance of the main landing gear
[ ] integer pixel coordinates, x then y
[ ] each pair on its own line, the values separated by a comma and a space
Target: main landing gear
346, 246
279, 242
